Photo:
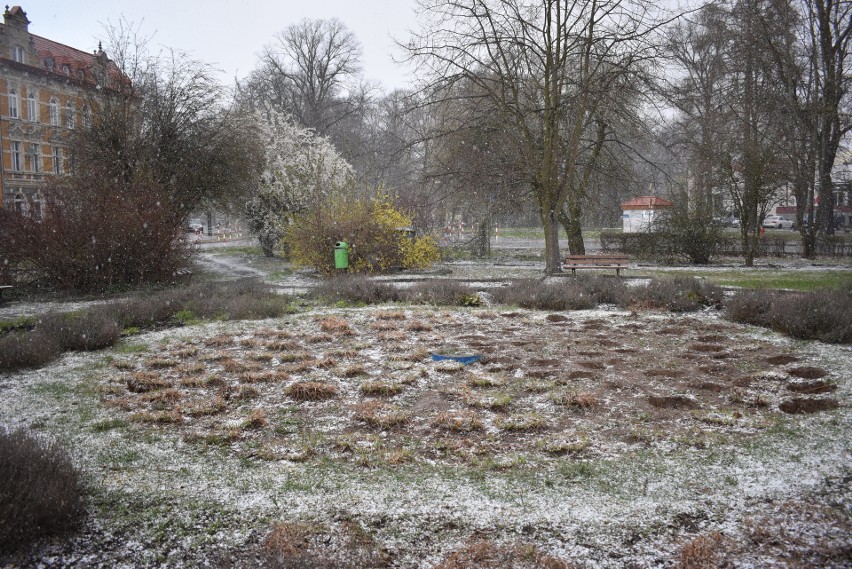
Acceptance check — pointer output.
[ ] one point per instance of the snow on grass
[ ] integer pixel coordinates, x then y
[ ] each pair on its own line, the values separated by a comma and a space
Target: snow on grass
174, 502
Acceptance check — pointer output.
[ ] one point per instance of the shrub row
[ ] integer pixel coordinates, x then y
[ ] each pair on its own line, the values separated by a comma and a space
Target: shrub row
676, 295
41, 492
102, 326
824, 315
564, 294
362, 290
664, 245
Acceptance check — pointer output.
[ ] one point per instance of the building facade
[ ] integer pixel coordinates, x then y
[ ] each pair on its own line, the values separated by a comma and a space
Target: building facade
641, 214
46, 89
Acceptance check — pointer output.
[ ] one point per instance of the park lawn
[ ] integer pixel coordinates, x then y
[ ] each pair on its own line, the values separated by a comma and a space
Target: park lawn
760, 278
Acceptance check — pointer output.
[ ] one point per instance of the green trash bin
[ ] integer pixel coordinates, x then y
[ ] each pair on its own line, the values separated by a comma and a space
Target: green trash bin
341, 255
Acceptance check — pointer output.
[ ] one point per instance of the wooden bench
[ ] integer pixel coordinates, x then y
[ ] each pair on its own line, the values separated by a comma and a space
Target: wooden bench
2, 288
575, 262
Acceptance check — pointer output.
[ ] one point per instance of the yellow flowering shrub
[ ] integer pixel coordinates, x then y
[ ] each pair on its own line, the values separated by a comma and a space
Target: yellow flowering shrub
374, 229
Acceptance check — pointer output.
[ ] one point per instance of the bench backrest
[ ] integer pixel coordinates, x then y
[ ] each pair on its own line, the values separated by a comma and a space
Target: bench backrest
596, 260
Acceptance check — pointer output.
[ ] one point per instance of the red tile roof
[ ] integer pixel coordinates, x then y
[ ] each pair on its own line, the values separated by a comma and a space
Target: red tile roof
64, 57
646, 202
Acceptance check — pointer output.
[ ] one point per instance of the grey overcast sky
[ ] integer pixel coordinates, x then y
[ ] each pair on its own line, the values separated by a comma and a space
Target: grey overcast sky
229, 34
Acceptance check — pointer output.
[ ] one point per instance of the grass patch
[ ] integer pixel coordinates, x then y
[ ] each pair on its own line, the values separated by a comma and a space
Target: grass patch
774, 278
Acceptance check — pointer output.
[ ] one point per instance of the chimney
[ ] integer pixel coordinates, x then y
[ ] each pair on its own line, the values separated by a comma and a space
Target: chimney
16, 18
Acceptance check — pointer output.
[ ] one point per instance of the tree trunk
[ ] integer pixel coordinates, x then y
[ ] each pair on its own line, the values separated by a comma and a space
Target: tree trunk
482, 240
825, 212
552, 259
571, 223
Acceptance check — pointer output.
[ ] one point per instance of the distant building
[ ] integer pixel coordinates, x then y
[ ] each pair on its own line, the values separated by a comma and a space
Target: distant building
640, 214
46, 89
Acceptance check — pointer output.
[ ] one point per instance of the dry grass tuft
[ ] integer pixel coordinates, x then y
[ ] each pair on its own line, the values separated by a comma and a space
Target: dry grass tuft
390, 315
417, 355
311, 391
705, 348
194, 381
255, 420
561, 446
336, 326
807, 372
220, 341
264, 377
354, 371
384, 326
658, 372
458, 421
701, 552
802, 406
164, 396
582, 401
145, 381
311, 546
206, 407
192, 368
260, 357
498, 402
592, 365
419, 326
381, 416
247, 392
186, 353
231, 365
283, 345
392, 336
250, 343
781, 360
673, 402
812, 387
522, 422
320, 338
160, 363
380, 388
157, 417
484, 554
448, 366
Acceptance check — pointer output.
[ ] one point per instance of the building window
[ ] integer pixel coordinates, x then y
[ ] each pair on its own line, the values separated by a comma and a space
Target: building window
13, 104
18, 53
57, 160
69, 115
17, 165
35, 206
54, 112
20, 204
87, 117
32, 107
34, 157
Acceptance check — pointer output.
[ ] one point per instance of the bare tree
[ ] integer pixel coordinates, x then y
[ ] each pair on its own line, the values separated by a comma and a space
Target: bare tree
811, 65
474, 160
165, 118
312, 70
551, 67
730, 120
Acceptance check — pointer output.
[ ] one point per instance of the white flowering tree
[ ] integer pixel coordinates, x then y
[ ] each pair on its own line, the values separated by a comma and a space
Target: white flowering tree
302, 168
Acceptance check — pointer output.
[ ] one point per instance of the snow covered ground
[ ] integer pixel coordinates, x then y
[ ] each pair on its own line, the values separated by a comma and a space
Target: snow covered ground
716, 470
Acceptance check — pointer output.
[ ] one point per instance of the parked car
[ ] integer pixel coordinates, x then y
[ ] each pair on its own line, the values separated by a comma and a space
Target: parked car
727, 221
194, 226
777, 222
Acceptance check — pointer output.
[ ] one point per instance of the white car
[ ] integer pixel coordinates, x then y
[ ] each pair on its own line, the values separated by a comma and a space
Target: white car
777, 222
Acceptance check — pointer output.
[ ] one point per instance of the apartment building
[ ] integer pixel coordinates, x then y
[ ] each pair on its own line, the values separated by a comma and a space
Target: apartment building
46, 90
